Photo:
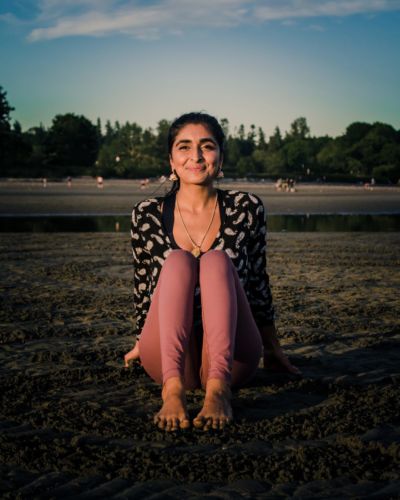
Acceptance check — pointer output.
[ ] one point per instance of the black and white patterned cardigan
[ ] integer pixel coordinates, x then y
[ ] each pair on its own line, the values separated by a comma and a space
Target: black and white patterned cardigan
242, 236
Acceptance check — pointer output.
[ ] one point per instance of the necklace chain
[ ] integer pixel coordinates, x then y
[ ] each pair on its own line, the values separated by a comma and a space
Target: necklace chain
196, 250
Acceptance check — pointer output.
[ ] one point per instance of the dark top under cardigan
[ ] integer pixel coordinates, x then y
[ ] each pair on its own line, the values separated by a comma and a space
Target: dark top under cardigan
242, 236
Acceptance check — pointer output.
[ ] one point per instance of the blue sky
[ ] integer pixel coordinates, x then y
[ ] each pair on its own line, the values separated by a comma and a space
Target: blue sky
265, 62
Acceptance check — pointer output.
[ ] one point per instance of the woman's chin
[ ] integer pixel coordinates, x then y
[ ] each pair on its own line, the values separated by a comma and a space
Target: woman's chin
205, 183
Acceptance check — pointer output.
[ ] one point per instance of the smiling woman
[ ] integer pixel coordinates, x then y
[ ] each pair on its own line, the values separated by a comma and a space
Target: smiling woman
199, 154
202, 297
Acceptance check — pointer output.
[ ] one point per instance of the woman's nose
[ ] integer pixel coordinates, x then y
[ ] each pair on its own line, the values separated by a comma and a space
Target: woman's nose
197, 154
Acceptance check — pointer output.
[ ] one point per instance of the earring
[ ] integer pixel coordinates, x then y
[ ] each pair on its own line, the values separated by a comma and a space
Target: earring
173, 177
220, 174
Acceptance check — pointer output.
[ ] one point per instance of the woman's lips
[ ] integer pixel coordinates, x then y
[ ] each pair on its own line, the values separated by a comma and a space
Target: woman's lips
196, 169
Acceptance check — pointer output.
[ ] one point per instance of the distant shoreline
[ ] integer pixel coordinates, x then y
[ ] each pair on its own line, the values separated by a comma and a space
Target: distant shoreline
91, 181
118, 197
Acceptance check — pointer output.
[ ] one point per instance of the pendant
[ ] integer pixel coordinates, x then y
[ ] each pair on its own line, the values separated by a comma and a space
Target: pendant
196, 251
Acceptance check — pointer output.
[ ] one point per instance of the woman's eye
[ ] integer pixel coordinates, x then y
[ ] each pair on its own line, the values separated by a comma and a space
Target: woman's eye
209, 147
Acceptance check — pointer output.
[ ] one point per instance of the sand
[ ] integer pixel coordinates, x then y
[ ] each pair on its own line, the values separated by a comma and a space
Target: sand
75, 423
118, 197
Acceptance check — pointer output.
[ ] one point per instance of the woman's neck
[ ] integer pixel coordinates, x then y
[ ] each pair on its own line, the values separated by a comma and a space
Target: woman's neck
195, 198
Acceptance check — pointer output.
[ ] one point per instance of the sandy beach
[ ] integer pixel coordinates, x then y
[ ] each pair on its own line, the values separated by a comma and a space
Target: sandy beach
119, 196
75, 423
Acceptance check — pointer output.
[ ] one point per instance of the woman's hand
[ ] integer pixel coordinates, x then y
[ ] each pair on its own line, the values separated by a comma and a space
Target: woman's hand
274, 358
132, 355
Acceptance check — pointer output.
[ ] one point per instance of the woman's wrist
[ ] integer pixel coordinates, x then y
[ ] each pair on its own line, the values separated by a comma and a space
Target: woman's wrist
269, 338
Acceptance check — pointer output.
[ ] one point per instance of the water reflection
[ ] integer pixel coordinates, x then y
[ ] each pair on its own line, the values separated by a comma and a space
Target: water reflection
333, 222
276, 223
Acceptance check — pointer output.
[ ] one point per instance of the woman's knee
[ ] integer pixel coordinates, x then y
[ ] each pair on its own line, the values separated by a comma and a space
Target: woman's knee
180, 259
216, 262
180, 264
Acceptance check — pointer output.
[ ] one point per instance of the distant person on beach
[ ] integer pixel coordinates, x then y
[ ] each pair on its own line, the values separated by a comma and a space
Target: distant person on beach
69, 181
204, 311
100, 182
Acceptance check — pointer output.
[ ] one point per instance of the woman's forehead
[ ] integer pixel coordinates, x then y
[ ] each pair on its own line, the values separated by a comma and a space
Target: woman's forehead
196, 131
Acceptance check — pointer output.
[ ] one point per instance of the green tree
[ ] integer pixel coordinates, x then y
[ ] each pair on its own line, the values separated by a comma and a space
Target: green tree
275, 162
110, 133
355, 132
261, 142
275, 141
298, 155
251, 135
225, 127
5, 110
299, 129
131, 153
99, 132
331, 158
14, 149
245, 166
370, 150
5, 131
259, 158
241, 132
72, 145
38, 161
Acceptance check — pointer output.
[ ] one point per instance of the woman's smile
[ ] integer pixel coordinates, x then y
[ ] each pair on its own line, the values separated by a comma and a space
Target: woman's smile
197, 169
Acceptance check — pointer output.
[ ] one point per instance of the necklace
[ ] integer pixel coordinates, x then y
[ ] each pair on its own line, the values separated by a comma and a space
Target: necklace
196, 250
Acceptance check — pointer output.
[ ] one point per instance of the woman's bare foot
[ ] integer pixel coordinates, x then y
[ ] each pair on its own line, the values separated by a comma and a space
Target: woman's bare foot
217, 410
173, 414
132, 355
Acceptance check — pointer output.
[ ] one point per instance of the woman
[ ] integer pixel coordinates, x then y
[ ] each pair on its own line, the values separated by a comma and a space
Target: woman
203, 303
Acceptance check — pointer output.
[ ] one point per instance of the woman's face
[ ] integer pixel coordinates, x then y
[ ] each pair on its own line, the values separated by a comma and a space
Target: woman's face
195, 155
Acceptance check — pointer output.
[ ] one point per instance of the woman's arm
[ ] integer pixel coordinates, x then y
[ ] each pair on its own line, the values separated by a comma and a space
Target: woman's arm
141, 270
274, 358
260, 297
258, 291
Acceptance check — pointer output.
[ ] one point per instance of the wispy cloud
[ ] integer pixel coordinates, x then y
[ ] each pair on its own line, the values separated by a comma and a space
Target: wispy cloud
152, 19
275, 10
140, 20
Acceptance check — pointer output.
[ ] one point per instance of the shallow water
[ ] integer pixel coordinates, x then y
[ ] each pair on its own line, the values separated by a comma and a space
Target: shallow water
276, 223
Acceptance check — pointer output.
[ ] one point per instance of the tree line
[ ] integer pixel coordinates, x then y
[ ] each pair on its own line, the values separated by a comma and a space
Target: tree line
74, 146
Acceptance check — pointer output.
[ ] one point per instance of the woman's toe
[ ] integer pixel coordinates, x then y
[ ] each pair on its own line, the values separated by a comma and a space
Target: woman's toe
215, 423
198, 422
161, 423
174, 424
223, 422
185, 423
208, 424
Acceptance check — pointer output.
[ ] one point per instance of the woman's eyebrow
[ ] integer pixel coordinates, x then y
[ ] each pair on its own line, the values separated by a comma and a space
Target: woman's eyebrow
208, 139
202, 141
183, 141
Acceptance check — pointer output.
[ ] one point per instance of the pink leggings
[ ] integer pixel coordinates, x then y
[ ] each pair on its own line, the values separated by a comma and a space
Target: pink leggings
171, 347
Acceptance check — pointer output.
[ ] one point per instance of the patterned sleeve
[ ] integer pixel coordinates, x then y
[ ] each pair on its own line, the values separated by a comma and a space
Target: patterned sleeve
259, 292
141, 266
